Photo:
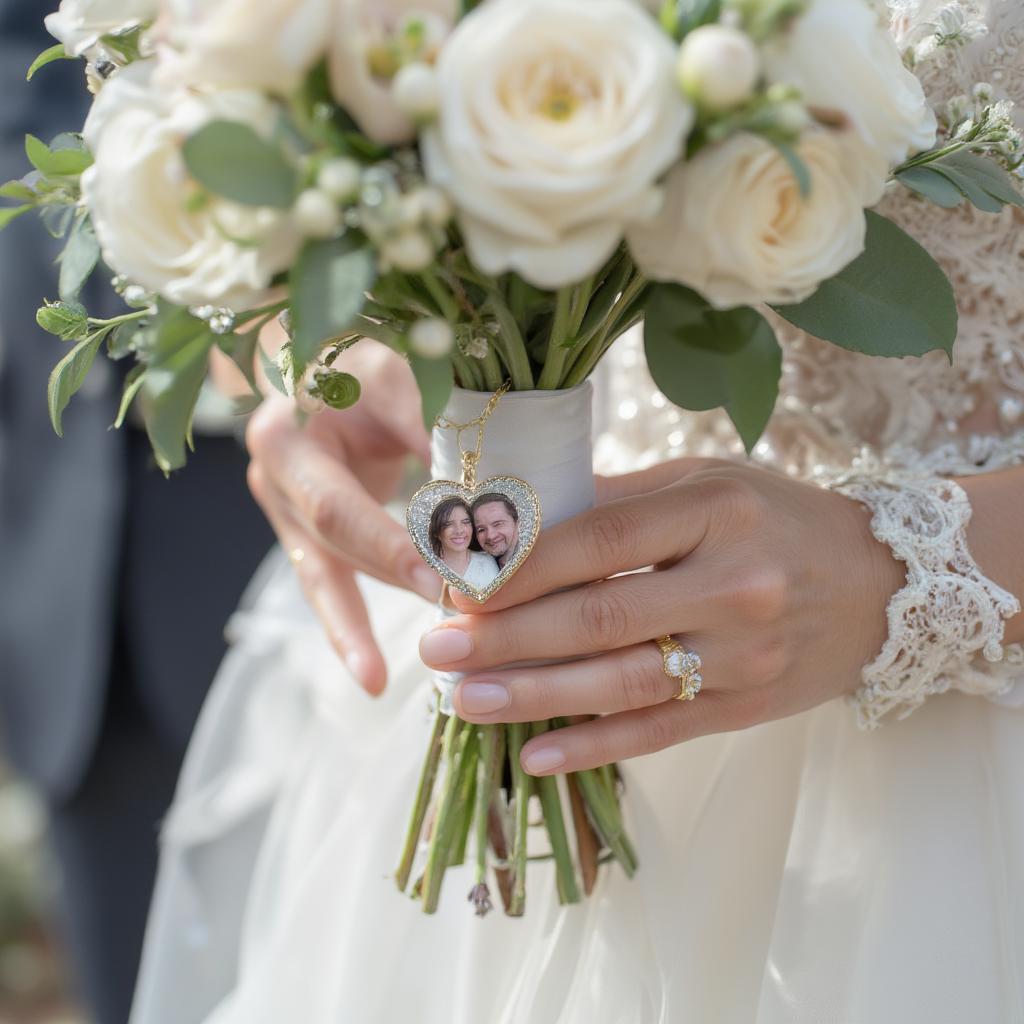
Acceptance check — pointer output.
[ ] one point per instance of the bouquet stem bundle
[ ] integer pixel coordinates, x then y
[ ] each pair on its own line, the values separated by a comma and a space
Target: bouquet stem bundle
483, 790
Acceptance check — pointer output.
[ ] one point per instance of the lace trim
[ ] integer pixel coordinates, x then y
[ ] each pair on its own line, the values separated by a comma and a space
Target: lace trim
946, 625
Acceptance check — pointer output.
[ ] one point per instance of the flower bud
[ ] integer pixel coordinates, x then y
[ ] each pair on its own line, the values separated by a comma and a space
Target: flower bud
718, 67
431, 338
316, 214
409, 251
68, 322
435, 205
982, 92
340, 179
414, 90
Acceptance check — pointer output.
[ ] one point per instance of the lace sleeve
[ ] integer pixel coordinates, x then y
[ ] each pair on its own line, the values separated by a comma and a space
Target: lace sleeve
946, 625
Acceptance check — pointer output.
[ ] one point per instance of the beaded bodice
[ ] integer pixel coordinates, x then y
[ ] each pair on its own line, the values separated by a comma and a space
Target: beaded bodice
835, 403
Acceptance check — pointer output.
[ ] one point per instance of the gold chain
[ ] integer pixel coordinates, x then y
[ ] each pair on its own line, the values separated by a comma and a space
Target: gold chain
471, 458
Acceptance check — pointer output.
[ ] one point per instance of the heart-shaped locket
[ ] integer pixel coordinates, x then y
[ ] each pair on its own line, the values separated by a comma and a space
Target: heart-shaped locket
476, 537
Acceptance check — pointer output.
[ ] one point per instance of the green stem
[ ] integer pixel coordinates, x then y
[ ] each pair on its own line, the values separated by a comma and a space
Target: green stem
516, 733
607, 819
485, 793
423, 791
551, 375
512, 346
490, 367
456, 740
250, 314
125, 318
551, 805
466, 799
597, 346
467, 371
440, 293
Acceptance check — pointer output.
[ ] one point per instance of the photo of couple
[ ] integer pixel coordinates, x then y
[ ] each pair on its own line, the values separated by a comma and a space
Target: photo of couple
475, 541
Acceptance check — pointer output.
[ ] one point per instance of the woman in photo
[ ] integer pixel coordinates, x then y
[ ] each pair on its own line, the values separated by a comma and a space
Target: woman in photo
452, 539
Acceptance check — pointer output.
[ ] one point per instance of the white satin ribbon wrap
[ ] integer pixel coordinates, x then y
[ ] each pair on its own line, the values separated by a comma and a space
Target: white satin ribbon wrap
542, 437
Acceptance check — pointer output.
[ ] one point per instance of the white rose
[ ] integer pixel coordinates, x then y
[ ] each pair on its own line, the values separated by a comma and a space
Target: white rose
736, 229
78, 24
371, 41
266, 45
556, 119
843, 58
138, 192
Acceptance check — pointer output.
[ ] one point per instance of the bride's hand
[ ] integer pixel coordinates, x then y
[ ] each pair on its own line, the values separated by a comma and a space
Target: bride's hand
778, 585
322, 485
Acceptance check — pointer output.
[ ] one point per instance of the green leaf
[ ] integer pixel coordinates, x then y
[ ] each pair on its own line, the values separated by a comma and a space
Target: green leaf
233, 161
932, 185
435, 380
241, 349
10, 213
797, 166
893, 300
328, 288
679, 17
974, 193
988, 175
336, 389
68, 376
704, 358
271, 371
170, 389
18, 190
48, 56
68, 321
60, 162
78, 260
132, 383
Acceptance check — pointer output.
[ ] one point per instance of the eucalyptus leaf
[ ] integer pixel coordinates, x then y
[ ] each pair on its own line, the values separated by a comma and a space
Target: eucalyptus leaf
971, 189
48, 56
9, 213
893, 300
271, 371
78, 260
232, 160
67, 320
435, 380
132, 384
932, 185
704, 358
56, 162
18, 190
329, 283
174, 375
57, 218
69, 375
988, 174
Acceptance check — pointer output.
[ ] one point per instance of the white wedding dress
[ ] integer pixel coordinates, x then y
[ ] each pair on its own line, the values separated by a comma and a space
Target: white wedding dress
800, 871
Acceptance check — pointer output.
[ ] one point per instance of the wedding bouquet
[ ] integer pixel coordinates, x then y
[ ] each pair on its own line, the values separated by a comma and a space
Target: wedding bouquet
498, 190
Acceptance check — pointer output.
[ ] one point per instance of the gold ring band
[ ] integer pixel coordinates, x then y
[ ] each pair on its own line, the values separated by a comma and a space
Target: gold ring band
681, 664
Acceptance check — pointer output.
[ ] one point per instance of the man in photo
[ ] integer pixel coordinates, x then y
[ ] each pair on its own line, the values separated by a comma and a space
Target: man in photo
496, 522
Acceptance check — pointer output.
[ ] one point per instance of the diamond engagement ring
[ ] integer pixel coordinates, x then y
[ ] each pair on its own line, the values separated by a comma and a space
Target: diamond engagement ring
681, 664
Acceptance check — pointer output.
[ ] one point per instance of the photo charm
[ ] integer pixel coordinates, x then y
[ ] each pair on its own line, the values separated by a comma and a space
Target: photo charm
475, 537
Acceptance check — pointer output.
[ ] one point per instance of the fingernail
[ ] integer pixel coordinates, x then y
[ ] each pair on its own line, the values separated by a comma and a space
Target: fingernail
483, 698
544, 759
444, 645
426, 582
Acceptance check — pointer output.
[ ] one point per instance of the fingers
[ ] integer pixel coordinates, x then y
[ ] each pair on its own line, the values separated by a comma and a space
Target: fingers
330, 505
633, 677
330, 588
632, 733
603, 616
653, 478
613, 538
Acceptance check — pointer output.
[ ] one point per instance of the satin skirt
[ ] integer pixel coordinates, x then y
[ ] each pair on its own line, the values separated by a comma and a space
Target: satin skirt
800, 871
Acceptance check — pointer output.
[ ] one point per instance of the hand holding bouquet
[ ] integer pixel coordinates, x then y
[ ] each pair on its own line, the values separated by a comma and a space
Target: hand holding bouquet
497, 191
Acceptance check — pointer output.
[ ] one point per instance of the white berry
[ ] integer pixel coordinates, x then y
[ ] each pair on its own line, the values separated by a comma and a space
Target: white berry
414, 90
718, 66
340, 179
409, 251
431, 338
435, 205
316, 214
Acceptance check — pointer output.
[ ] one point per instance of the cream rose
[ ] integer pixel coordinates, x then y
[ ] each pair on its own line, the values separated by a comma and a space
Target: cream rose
138, 193
556, 119
266, 45
843, 58
371, 42
78, 24
736, 229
